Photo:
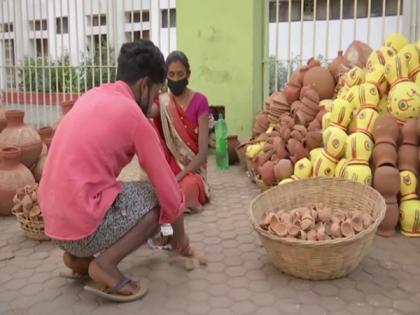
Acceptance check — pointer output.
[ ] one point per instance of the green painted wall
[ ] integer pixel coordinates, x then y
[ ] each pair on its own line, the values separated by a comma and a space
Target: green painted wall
224, 40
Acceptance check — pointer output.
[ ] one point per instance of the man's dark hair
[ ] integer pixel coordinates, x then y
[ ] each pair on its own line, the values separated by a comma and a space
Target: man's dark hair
141, 59
178, 56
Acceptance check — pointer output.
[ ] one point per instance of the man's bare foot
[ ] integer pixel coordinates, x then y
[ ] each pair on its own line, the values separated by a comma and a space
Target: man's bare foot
109, 276
78, 265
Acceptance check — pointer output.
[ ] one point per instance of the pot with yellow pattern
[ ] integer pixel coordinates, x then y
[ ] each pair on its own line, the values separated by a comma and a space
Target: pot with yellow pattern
341, 114
396, 70
285, 181
334, 140
354, 77
324, 165
365, 121
314, 154
360, 173
341, 166
383, 105
380, 56
353, 97
376, 76
302, 169
342, 93
326, 119
326, 105
410, 218
408, 185
396, 41
411, 54
404, 101
359, 147
368, 95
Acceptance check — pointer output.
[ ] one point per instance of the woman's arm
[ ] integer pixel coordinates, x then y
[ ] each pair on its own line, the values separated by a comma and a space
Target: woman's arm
154, 111
203, 144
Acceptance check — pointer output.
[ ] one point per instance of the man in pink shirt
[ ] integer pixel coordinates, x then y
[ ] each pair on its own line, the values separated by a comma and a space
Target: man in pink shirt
87, 211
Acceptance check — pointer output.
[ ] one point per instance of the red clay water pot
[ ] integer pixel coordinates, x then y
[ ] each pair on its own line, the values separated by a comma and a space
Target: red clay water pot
339, 65
390, 221
283, 169
409, 132
267, 173
233, 143
313, 140
386, 129
45, 133
387, 181
408, 158
321, 80
384, 154
292, 91
3, 120
13, 175
23, 136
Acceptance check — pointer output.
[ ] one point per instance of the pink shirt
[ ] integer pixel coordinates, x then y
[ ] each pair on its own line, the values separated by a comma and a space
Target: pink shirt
94, 141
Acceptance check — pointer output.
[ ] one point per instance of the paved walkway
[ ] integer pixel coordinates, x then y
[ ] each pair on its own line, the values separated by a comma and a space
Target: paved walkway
238, 280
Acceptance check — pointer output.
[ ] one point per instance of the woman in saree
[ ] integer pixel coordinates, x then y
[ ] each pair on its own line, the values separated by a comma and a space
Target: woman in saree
181, 117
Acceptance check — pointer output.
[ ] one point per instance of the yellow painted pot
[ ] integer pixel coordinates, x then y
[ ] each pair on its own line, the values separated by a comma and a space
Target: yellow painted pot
408, 185
358, 173
326, 105
365, 121
341, 165
341, 113
396, 70
380, 56
404, 101
353, 97
334, 140
286, 180
359, 148
368, 95
324, 165
396, 41
376, 76
303, 168
411, 55
383, 105
354, 77
314, 154
410, 218
326, 119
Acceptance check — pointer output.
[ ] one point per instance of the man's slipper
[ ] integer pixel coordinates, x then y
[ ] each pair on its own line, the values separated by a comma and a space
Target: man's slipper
71, 275
113, 294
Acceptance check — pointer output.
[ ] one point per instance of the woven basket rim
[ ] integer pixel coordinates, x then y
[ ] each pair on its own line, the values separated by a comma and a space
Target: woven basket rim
324, 243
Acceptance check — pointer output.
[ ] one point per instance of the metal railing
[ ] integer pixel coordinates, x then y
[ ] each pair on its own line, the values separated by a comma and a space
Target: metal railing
53, 50
300, 29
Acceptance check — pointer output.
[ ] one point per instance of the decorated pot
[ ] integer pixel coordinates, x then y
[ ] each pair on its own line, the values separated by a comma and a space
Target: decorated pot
382, 107
360, 173
353, 97
366, 120
412, 56
341, 165
326, 120
396, 41
409, 218
408, 185
324, 165
380, 56
396, 70
355, 76
303, 169
368, 95
341, 113
359, 148
334, 140
376, 76
313, 154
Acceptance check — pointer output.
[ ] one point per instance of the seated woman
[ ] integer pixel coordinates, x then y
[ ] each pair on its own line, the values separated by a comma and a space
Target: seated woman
181, 117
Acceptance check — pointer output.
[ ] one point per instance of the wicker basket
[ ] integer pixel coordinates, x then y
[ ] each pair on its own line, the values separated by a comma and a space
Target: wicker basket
33, 227
318, 260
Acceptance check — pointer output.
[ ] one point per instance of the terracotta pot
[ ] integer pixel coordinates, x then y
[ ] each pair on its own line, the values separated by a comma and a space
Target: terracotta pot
45, 133
283, 169
357, 53
347, 228
339, 65
408, 158
39, 168
390, 221
321, 80
310, 104
409, 132
299, 152
267, 173
315, 125
386, 129
66, 106
13, 175
3, 120
313, 62
233, 143
19, 134
387, 181
384, 154
292, 91
298, 75
313, 140
295, 107
291, 146
310, 93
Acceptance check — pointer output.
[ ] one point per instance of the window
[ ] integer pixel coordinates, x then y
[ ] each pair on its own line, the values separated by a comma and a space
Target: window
98, 40
41, 47
6, 27
62, 25
137, 16
391, 7
9, 62
136, 35
172, 18
96, 20
39, 25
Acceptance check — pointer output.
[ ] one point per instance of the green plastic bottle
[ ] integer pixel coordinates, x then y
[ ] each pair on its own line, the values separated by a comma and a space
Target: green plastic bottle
222, 157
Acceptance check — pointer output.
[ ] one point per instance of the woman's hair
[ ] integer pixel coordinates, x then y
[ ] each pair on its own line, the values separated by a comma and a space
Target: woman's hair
141, 59
178, 56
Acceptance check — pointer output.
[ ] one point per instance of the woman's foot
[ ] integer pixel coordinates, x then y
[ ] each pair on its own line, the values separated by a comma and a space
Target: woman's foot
78, 265
110, 276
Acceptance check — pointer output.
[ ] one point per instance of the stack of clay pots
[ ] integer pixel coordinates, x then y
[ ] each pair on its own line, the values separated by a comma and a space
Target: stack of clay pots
316, 223
278, 105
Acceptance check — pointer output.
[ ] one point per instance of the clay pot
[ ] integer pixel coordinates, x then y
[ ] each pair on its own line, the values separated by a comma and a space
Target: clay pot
313, 140
297, 76
390, 221
233, 143
39, 168
315, 125
292, 91
295, 107
283, 169
384, 154
13, 175
339, 65
357, 54
280, 229
311, 235
347, 228
303, 118
386, 180
19, 134
3, 120
45, 133
321, 80
408, 158
357, 223
293, 230
386, 129
267, 173
66, 106
313, 62
335, 230
306, 224
299, 152
409, 132
291, 143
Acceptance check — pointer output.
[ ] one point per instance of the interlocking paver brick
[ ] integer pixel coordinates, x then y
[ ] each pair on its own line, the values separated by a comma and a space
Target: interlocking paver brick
240, 278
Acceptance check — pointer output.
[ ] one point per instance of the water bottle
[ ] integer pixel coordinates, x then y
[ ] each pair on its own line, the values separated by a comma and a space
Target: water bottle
222, 157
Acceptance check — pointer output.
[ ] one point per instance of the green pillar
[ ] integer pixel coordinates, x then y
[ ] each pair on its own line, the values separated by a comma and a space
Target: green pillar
225, 42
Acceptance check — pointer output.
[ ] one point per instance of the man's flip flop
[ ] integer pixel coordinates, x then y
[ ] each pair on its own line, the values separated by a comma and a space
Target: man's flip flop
73, 276
112, 294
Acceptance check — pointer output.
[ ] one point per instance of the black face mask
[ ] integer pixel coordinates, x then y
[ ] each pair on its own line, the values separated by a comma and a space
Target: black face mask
177, 87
